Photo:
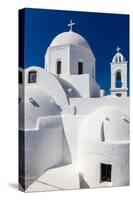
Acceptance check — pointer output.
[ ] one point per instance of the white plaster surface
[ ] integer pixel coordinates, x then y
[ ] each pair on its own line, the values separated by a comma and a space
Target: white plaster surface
69, 37
58, 178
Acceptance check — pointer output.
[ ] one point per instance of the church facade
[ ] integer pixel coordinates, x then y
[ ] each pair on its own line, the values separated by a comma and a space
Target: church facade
75, 136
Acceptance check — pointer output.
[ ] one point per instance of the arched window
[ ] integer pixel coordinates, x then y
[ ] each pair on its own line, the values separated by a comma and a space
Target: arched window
102, 132
120, 59
80, 67
58, 67
118, 82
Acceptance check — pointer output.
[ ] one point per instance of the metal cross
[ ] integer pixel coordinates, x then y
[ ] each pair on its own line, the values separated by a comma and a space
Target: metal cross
71, 24
118, 49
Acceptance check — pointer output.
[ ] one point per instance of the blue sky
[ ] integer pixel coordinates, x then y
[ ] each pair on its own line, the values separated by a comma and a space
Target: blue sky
104, 32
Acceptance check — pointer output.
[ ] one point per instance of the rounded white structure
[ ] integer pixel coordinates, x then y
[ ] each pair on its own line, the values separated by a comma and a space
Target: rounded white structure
69, 37
103, 148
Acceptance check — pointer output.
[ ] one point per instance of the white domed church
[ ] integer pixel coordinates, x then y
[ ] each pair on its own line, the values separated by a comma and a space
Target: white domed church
71, 134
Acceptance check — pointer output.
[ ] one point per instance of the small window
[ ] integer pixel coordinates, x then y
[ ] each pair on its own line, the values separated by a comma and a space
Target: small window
80, 68
19, 100
32, 77
34, 103
118, 94
102, 132
20, 77
126, 120
58, 67
106, 172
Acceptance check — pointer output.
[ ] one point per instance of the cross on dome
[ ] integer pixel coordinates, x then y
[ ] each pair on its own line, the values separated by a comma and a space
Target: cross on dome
71, 24
118, 49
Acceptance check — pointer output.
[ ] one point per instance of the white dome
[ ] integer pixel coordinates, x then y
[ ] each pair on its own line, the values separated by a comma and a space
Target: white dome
37, 104
107, 124
69, 37
118, 58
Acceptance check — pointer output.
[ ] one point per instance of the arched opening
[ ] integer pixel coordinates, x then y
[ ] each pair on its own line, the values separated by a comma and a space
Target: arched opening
120, 59
102, 132
58, 67
80, 67
118, 82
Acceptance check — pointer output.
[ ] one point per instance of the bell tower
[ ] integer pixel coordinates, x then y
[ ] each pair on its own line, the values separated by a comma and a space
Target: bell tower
119, 75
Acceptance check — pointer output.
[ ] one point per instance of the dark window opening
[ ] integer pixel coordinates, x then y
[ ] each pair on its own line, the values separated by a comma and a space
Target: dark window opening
118, 82
106, 172
20, 77
118, 94
80, 68
118, 76
32, 77
58, 67
34, 103
102, 132
19, 100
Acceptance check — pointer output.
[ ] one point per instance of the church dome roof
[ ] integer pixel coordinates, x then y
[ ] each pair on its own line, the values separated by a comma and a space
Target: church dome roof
69, 37
118, 57
37, 104
107, 124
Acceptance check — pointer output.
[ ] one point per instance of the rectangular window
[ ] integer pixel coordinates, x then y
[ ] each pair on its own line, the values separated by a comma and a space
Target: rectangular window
118, 94
106, 172
58, 67
32, 77
20, 77
80, 68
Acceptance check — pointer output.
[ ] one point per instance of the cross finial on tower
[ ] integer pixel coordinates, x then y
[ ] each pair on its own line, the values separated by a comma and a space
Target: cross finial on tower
71, 24
118, 49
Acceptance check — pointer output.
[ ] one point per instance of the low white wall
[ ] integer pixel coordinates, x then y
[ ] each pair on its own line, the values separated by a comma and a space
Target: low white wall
86, 106
71, 125
43, 148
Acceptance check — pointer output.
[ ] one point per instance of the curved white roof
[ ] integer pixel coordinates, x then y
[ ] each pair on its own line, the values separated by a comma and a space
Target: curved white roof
118, 58
107, 124
37, 104
68, 88
69, 37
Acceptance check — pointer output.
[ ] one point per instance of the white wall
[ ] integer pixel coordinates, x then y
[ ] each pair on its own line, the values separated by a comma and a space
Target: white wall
43, 147
86, 106
58, 53
84, 84
115, 154
84, 55
70, 55
71, 125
